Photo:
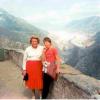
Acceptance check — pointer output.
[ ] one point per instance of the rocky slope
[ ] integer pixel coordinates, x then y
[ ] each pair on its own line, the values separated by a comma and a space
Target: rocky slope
17, 29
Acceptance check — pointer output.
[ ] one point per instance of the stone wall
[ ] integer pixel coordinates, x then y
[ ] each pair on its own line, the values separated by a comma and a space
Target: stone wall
71, 84
15, 55
77, 86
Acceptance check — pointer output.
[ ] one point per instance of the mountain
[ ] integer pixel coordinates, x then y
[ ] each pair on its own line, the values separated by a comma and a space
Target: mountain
17, 29
86, 25
82, 50
90, 62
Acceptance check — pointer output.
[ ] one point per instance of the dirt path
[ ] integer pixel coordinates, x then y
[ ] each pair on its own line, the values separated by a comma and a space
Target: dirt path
11, 83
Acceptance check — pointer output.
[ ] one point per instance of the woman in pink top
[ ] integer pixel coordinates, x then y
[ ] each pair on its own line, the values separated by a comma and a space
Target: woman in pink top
50, 54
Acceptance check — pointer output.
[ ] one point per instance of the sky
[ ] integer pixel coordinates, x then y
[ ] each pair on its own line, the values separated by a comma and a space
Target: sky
51, 15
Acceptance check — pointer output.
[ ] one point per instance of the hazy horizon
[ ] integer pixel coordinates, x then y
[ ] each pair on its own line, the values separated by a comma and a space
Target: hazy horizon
51, 15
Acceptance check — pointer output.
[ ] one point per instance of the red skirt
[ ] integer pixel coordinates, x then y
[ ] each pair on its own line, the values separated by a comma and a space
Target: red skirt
35, 76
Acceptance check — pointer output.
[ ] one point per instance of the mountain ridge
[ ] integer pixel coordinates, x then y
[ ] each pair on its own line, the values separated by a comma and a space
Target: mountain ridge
17, 27
86, 25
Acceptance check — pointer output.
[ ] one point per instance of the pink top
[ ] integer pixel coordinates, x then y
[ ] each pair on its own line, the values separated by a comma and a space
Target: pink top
50, 54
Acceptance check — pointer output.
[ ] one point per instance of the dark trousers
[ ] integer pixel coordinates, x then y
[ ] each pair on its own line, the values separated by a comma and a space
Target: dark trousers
47, 81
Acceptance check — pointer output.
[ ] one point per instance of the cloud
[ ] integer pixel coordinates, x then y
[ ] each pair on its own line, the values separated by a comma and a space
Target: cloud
51, 20
50, 16
38, 17
57, 17
76, 8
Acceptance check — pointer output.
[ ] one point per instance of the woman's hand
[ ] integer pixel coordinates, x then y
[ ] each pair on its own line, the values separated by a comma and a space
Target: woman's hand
58, 62
58, 71
23, 72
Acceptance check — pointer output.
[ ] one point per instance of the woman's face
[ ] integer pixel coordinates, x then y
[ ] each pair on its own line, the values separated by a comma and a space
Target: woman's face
34, 43
47, 44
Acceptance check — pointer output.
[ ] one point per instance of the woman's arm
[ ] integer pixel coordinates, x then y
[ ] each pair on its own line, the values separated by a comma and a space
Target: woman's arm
43, 55
24, 63
58, 61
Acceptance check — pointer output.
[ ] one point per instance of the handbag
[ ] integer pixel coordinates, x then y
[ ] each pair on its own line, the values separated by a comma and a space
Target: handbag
25, 78
51, 70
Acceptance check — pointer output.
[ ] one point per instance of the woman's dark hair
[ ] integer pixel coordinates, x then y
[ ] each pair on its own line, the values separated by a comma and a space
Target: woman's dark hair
34, 37
47, 39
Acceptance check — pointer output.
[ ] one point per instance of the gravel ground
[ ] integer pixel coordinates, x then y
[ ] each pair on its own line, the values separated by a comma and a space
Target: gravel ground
11, 83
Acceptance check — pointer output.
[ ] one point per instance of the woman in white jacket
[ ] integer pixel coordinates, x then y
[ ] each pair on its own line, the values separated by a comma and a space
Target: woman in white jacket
32, 65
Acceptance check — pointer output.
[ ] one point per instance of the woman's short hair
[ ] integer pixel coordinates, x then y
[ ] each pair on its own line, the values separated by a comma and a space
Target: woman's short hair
34, 37
47, 39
